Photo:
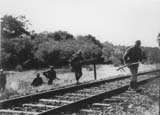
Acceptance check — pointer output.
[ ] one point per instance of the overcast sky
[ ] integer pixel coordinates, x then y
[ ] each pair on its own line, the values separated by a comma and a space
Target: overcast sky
117, 21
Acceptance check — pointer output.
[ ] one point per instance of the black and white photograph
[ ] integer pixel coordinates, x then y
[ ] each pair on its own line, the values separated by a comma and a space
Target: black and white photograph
79, 57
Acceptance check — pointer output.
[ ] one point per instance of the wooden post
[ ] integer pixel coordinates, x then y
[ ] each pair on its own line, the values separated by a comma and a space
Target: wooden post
95, 73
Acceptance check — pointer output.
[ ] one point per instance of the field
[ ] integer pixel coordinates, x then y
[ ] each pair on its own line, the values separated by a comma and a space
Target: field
18, 83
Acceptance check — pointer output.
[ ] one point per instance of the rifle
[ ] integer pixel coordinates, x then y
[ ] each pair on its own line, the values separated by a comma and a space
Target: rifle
126, 65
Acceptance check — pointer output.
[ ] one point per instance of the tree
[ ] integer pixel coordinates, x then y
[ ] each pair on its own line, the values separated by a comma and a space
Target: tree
108, 50
90, 39
16, 51
91, 51
60, 35
46, 52
14, 26
91, 47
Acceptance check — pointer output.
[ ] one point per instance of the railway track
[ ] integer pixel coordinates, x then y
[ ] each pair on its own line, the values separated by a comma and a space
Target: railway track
71, 98
127, 102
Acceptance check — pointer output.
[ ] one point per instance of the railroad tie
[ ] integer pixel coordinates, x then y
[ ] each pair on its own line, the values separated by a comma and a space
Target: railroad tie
55, 101
7, 111
74, 94
87, 111
112, 100
119, 97
100, 104
130, 91
67, 97
39, 106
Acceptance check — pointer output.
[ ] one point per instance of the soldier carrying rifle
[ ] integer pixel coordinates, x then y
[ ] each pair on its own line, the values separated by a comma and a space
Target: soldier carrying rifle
50, 75
132, 57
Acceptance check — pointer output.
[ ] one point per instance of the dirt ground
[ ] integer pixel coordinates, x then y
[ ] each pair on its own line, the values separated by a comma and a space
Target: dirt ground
18, 83
146, 103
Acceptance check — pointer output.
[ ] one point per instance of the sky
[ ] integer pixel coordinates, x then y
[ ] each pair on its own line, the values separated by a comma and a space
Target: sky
121, 22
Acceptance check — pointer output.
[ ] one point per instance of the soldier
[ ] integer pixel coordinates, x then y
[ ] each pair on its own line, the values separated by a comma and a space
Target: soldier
158, 40
76, 65
50, 75
2, 80
37, 81
133, 55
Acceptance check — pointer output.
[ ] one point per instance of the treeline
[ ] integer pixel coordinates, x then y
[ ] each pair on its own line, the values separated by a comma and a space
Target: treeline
26, 49
47, 49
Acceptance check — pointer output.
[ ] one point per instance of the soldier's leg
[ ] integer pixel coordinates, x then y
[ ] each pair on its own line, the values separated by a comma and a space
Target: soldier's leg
76, 75
136, 71
2, 85
133, 77
50, 81
80, 74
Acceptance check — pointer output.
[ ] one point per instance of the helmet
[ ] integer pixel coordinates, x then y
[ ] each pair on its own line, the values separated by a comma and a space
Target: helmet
51, 67
138, 42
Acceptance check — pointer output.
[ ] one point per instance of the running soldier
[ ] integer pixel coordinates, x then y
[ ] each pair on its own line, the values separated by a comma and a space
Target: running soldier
77, 65
2, 80
133, 55
50, 75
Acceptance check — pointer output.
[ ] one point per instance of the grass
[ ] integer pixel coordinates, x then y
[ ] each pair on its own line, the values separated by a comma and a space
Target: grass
18, 83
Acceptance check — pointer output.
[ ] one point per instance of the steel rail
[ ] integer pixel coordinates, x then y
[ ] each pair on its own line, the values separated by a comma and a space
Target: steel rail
75, 106
35, 97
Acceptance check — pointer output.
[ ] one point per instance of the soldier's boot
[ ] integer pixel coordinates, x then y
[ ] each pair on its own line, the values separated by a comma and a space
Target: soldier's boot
131, 87
77, 79
135, 85
79, 75
140, 89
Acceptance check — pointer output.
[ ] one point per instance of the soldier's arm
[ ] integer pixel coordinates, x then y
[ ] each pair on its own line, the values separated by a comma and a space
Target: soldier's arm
33, 82
126, 55
45, 73
142, 57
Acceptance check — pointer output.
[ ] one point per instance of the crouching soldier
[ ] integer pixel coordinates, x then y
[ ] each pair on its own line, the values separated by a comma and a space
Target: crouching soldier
77, 65
2, 80
37, 81
50, 75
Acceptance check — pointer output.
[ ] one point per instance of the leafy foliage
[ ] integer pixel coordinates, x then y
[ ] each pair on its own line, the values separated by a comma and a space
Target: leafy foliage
14, 26
16, 51
26, 49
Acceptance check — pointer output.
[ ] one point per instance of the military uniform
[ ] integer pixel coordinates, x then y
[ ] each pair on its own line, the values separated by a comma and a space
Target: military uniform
2, 80
133, 54
37, 81
50, 75
76, 65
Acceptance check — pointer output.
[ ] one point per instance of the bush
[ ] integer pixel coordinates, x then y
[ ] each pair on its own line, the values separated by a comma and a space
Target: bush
16, 51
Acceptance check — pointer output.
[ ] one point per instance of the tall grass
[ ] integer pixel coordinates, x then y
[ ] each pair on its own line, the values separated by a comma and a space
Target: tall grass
18, 83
